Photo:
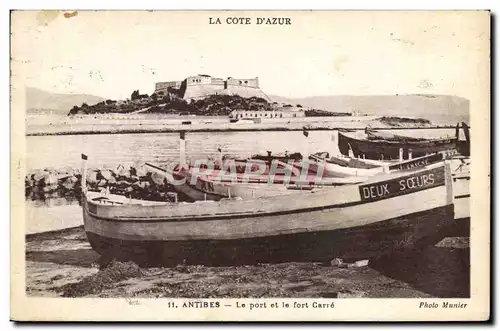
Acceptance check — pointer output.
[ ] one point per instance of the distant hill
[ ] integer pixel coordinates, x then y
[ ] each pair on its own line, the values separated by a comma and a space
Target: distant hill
170, 103
39, 101
416, 105
413, 105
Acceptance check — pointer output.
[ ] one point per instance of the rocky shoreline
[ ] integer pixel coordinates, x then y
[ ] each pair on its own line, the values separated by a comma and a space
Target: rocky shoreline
131, 181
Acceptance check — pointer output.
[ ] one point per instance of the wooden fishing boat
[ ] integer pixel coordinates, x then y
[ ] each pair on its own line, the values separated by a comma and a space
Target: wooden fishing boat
270, 166
381, 135
391, 150
275, 165
345, 167
284, 157
217, 184
349, 167
360, 145
389, 212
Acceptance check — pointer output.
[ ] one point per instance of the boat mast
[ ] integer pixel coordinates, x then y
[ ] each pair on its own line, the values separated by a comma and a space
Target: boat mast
305, 146
465, 127
182, 148
84, 173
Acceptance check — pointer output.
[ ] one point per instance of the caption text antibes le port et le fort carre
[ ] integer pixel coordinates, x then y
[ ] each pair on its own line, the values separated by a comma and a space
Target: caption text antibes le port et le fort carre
253, 305
234, 20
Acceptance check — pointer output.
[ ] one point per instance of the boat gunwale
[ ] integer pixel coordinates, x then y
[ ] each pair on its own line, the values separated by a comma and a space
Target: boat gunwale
423, 143
210, 217
252, 213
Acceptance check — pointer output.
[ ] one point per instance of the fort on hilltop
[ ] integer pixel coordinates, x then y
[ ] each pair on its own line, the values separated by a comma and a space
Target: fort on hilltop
202, 86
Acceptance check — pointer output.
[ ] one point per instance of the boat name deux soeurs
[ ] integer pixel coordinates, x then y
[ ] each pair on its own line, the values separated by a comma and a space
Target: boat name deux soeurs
402, 186
247, 20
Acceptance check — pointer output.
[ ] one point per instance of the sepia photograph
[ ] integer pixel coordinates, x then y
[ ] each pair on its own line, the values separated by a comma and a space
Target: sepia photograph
250, 165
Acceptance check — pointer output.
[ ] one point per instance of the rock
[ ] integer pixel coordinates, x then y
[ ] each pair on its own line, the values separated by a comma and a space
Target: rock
157, 178
112, 181
70, 182
122, 172
50, 188
66, 171
122, 184
133, 171
138, 169
102, 183
361, 263
28, 182
106, 174
50, 179
336, 262
141, 185
141, 171
92, 177
68, 185
39, 175
49, 195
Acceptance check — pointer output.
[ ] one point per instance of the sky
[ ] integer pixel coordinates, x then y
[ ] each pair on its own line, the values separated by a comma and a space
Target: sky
110, 54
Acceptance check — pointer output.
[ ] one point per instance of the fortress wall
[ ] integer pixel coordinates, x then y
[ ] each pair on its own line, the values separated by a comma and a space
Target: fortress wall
202, 91
163, 86
246, 92
248, 82
201, 86
198, 80
217, 81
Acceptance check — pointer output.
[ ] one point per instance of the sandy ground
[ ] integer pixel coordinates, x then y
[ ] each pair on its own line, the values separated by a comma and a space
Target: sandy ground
62, 263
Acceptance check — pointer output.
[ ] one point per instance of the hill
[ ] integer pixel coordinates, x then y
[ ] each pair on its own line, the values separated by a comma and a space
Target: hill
427, 106
39, 101
171, 103
204, 91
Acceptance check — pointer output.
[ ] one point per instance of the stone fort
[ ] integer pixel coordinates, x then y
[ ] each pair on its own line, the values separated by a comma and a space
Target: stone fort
202, 86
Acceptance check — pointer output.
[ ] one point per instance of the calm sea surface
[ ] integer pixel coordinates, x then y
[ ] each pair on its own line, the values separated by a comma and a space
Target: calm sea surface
110, 150
113, 149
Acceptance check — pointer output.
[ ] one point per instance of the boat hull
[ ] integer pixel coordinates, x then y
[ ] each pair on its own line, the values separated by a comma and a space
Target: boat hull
335, 170
367, 220
361, 242
217, 188
388, 150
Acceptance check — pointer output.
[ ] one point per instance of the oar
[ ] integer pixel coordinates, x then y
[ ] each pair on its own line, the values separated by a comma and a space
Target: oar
156, 167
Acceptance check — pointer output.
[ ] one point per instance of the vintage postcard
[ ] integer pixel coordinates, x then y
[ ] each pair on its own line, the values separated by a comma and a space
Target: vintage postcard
250, 165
